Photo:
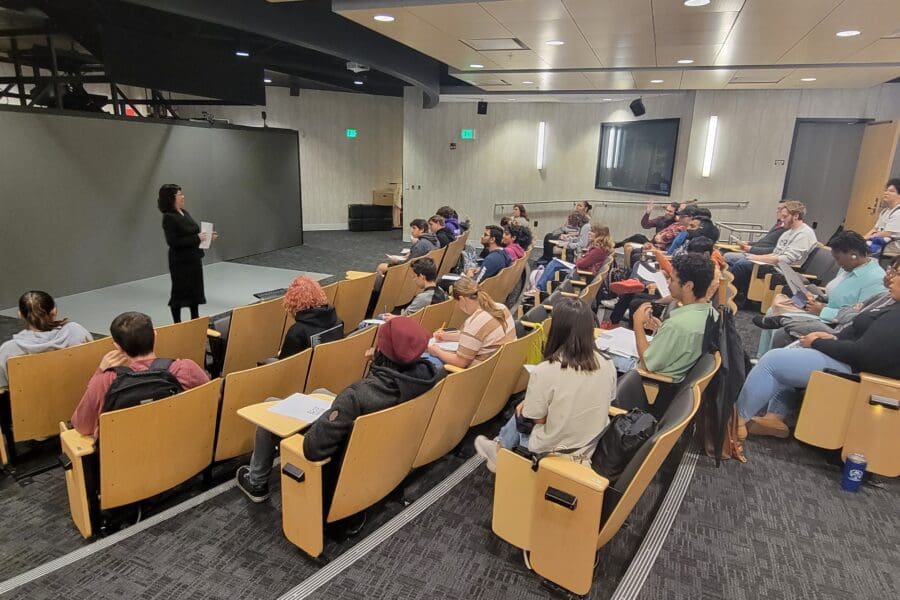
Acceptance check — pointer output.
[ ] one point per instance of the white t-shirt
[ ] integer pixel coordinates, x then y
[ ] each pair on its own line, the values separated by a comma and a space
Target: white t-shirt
575, 404
889, 220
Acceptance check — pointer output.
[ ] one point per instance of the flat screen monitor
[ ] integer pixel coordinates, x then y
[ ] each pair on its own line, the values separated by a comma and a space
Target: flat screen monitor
637, 156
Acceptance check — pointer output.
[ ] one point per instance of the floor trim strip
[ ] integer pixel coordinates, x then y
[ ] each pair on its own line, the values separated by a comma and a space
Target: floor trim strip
101, 544
639, 569
345, 560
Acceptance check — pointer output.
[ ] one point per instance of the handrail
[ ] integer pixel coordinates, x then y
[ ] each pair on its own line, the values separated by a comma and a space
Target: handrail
594, 202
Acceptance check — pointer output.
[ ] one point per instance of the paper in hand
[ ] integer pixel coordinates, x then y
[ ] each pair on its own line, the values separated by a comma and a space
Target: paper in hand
206, 227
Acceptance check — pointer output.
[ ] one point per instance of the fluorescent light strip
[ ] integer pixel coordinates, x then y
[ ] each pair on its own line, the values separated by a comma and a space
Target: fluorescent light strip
610, 142
710, 144
542, 138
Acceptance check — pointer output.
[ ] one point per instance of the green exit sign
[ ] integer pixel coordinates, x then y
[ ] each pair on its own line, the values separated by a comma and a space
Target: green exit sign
467, 134
352, 133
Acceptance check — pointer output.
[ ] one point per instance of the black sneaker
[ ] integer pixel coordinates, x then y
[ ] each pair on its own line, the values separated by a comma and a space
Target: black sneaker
770, 322
256, 493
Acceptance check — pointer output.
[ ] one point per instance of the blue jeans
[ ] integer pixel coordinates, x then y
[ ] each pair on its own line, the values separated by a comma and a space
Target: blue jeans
549, 273
742, 269
773, 383
510, 436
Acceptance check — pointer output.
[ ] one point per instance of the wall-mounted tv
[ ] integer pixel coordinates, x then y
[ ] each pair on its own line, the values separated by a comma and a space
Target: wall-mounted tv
637, 156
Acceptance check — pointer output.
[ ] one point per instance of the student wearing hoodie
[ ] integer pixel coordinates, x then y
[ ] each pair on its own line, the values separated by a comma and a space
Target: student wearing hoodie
307, 303
451, 220
424, 273
44, 331
423, 242
441, 232
398, 373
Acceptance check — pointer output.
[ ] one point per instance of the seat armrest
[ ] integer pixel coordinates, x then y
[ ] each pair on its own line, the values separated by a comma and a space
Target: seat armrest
585, 273
549, 306
579, 283
213, 333
654, 376
530, 324
302, 510
74, 444
615, 411
357, 274
453, 368
569, 294
3, 390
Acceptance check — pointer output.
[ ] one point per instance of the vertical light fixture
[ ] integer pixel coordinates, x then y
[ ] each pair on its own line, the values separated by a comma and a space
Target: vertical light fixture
541, 142
610, 143
710, 144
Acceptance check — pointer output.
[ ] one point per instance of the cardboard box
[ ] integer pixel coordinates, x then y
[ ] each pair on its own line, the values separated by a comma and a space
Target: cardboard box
383, 197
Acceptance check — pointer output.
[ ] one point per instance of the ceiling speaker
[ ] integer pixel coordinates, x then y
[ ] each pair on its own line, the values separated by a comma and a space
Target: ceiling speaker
482, 108
637, 108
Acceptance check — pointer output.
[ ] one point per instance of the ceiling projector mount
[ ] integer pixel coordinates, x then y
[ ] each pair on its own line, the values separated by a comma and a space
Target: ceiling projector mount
356, 67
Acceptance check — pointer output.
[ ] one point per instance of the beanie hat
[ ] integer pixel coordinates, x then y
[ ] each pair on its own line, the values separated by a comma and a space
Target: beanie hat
402, 340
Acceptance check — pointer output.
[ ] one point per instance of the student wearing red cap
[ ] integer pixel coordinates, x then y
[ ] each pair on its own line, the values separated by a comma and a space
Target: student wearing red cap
398, 373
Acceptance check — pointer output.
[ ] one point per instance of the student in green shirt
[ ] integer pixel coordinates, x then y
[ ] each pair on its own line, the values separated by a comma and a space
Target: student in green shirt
678, 343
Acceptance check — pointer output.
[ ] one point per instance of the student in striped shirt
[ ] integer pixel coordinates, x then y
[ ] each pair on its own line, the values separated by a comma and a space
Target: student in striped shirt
489, 326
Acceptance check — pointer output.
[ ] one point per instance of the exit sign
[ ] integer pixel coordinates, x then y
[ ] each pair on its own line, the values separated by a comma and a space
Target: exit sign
467, 134
352, 133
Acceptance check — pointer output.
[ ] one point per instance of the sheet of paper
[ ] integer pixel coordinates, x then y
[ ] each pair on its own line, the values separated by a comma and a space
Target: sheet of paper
619, 341
530, 368
448, 346
300, 406
206, 227
373, 321
567, 265
451, 277
657, 277
757, 262
396, 257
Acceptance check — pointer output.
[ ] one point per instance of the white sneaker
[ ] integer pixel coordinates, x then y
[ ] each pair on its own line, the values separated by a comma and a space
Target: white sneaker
487, 449
611, 303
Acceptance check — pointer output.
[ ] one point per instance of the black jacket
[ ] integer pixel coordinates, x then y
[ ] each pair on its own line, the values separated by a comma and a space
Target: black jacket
307, 322
870, 343
766, 244
385, 386
444, 236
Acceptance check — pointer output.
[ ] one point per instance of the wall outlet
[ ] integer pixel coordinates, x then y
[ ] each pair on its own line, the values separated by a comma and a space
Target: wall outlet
535, 223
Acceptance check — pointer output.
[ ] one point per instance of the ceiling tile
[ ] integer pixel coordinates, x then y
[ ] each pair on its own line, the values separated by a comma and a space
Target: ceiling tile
526, 10
701, 55
609, 10
883, 50
604, 27
705, 80
677, 6
670, 79
637, 56
674, 38
611, 81
516, 59
463, 21
699, 21
839, 77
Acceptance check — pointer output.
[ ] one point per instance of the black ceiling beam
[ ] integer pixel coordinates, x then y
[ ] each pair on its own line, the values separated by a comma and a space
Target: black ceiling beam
315, 26
27, 31
60, 79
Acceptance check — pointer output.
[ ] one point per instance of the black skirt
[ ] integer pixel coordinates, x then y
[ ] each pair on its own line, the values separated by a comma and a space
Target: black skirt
185, 260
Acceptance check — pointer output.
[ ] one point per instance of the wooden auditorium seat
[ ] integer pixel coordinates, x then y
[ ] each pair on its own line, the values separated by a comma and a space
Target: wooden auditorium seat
335, 365
409, 289
451, 257
145, 451
507, 373
255, 334
437, 315
183, 340
352, 299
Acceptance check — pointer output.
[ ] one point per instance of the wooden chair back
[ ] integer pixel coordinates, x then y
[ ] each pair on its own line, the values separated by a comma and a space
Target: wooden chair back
380, 453
389, 296
825, 412
873, 428
451, 256
255, 333
335, 365
352, 299
454, 410
331, 291
45, 388
251, 386
506, 374
437, 315
409, 289
151, 448
183, 340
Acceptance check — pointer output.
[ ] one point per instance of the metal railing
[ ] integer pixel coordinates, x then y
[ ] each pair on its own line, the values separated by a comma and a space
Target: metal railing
715, 204
750, 229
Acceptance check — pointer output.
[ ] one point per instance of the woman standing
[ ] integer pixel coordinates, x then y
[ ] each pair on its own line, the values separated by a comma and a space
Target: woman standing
185, 256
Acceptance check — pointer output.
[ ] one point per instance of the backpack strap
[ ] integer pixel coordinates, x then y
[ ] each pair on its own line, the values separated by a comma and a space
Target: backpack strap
119, 370
162, 364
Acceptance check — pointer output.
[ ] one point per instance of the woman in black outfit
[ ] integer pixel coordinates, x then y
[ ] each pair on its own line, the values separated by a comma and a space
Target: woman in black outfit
185, 256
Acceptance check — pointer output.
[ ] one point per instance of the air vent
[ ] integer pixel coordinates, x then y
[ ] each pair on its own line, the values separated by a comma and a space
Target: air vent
761, 78
495, 44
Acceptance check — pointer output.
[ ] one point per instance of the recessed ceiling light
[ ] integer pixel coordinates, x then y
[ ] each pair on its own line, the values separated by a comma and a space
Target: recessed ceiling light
241, 53
554, 42
656, 81
607, 99
527, 82
685, 61
807, 79
476, 66
267, 80
358, 82
848, 33
511, 99
384, 18
696, 2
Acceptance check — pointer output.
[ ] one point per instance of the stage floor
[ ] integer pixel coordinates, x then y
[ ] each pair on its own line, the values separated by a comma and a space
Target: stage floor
227, 285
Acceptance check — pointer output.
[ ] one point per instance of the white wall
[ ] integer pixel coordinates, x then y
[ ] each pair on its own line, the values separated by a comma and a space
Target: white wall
755, 131
335, 171
499, 165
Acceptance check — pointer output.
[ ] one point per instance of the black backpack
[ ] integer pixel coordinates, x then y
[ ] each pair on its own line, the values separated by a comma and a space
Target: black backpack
620, 441
133, 388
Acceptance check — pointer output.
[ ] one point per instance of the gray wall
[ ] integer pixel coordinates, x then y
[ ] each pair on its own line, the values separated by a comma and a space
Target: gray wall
79, 196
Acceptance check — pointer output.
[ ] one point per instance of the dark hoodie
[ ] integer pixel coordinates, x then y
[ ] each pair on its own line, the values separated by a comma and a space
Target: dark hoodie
386, 385
444, 236
422, 246
307, 322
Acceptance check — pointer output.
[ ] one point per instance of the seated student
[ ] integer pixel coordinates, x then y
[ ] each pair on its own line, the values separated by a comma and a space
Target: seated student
44, 331
519, 215
568, 395
657, 223
488, 326
793, 247
765, 244
700, 220
451, 220
424, 274
398, 373
597, 252
133, 338
306, 302
573, 225
495, 258
516, 238
664, 238
441, 232
678, 342
884, 237
423, 242
870, 343
859, 279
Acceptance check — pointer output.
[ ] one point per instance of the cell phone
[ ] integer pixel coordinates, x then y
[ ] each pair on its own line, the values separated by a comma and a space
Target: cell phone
657, 309
799, 299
